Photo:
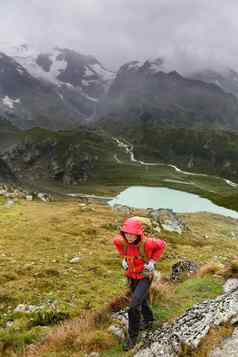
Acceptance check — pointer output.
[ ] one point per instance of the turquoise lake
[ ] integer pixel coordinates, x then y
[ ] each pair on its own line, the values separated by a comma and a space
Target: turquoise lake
162, 197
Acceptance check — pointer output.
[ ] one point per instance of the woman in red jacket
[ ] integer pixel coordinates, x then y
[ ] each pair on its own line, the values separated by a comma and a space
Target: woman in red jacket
139, 257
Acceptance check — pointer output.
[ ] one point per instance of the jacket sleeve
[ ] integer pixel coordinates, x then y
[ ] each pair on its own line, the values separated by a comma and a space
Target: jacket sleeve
117, 241
157, 246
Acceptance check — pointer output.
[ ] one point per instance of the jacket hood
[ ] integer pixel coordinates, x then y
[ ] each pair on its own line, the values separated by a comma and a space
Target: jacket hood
133, 226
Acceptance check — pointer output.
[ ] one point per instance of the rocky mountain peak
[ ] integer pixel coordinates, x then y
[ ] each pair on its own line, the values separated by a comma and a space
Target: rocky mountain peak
58, 65
150, 65
60, 82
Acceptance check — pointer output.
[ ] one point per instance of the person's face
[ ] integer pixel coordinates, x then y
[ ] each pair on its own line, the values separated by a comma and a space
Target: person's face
131, 237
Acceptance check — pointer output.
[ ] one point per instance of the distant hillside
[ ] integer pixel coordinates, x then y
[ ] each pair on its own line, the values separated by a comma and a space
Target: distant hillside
68, 157
226, 79
9, 134
208, 151
169, 98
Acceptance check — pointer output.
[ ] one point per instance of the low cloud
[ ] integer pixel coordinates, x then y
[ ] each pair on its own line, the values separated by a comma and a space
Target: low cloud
189, 34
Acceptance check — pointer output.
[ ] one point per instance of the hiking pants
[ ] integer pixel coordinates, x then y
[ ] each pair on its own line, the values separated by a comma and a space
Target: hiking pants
139, 305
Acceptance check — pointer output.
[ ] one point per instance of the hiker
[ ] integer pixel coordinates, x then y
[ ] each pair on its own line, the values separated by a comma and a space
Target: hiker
139, 257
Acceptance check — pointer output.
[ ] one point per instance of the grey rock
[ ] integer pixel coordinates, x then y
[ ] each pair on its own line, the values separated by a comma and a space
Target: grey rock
44, 197
9, 202
121, 208
181, 268
117, 331
28, 308
9, 323
75, 260
122, 317
191, 327
167, 219
230, 285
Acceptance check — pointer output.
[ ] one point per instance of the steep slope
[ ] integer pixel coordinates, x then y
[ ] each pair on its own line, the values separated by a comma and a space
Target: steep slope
57, 90
226, 79
38, 241
6, 175
62, 66
28, 102
69, 157
169, 98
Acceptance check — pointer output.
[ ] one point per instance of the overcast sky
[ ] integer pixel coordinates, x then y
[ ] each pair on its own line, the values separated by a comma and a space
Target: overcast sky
189, 33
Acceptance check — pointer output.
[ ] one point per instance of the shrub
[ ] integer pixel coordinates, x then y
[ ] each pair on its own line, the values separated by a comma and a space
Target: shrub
48, 317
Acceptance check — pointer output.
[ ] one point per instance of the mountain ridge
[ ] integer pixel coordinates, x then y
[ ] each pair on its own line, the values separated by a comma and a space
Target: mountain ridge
61, 88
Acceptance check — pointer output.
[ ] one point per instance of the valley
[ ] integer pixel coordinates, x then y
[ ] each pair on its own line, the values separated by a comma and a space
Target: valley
83, 134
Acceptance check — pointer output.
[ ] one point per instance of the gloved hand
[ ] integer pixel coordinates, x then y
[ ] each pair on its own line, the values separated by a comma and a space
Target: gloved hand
150, 266
124, 264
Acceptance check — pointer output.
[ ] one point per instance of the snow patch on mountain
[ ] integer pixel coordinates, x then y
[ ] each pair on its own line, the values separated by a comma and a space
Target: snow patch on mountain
27, 56
152, 65
134, 65
63, 68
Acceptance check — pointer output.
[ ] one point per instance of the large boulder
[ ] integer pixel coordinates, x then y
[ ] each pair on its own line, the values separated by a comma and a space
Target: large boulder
190, 328
183, 268
167, 219
230, 285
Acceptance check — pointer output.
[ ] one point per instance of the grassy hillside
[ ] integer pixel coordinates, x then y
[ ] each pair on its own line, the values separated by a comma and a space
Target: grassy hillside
37, 242
198, 150
110, 169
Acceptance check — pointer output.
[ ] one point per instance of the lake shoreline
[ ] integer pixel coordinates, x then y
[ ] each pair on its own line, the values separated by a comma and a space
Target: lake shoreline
143, 197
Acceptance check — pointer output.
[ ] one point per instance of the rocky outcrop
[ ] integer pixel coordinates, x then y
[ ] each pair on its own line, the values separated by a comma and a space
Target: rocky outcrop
13, 193
183, 269
191, 327
49, 158
167, 220
6, 174
230, 285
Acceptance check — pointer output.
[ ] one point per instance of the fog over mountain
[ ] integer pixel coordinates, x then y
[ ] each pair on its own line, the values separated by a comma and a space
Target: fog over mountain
191, 35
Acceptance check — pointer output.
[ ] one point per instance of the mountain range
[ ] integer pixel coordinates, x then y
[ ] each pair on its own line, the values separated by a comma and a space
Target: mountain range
78, 106
58, 89
61, 89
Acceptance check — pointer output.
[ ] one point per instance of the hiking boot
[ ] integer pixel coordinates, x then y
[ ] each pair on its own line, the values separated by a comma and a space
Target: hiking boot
144, 325
129, 343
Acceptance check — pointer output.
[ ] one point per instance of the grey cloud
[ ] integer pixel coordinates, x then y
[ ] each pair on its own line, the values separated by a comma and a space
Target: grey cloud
189, 33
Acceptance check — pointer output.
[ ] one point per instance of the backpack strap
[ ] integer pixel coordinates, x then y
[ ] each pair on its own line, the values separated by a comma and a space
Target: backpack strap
141, 248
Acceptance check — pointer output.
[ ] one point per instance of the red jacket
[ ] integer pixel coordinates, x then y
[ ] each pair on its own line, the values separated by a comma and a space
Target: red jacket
153, 248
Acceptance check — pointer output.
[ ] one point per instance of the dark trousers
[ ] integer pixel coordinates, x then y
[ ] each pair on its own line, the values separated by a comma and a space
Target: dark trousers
139, 305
